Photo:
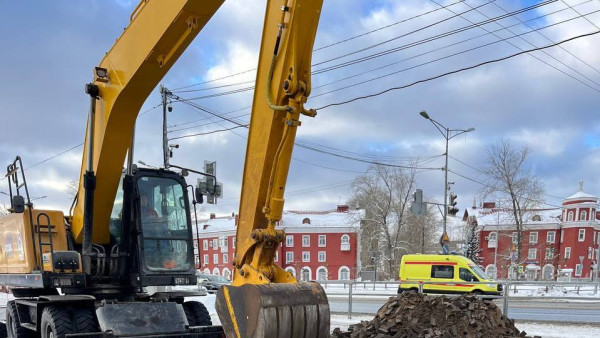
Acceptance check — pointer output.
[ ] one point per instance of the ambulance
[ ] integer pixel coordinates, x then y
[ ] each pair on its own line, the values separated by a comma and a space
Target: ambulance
440, 270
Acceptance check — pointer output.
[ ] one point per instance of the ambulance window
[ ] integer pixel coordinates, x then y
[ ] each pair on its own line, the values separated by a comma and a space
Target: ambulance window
466, 275
442, 271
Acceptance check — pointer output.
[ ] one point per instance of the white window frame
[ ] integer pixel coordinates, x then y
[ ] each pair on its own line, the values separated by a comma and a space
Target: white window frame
570, 216
322, 241
567, 252
534, 251
562, 235
322, 257
225, 258
306, 241
233, 242
345, 242
306, 256
223, 244
347, 269
289, 241
216, 258
204, 245
549, 253
548, 237
583, 215
515, 238
276, 259
215, 244
578, 269
289, 257
581, 235
205, 258
533, 237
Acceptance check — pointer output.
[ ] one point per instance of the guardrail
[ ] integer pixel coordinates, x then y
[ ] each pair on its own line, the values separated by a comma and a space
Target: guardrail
508, 287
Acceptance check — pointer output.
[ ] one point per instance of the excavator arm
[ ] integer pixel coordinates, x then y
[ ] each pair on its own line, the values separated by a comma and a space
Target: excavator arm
264, 300
157, 34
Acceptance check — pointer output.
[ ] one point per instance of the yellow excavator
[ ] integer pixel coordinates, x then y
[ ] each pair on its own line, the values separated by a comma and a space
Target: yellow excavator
86, 274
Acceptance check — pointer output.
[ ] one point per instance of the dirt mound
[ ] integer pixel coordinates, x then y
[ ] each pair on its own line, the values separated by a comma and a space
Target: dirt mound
417, 315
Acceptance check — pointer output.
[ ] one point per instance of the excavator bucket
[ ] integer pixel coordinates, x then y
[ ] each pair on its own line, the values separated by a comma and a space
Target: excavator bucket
274, 310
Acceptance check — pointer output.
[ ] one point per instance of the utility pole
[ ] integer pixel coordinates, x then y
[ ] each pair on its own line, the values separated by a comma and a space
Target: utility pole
448, 134
164, 92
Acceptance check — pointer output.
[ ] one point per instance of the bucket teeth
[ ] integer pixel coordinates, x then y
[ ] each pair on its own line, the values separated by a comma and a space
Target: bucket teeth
274, 310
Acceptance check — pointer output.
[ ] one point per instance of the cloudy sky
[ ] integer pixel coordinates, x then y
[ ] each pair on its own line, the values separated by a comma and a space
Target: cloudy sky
546, 100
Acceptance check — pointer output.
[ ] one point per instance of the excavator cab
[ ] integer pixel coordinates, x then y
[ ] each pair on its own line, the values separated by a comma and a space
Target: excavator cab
158, 229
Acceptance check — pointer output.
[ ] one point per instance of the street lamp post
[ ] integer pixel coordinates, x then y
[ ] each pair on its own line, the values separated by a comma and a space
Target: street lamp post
448, 134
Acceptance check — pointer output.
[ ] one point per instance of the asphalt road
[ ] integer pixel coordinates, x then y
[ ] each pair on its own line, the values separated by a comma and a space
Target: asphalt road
536, 310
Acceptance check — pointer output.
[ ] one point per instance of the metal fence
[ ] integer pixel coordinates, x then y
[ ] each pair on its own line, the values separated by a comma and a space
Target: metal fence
360, 288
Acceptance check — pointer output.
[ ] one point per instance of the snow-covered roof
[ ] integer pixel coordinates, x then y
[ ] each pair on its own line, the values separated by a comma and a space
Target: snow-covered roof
582, 195
494, 216
292, 218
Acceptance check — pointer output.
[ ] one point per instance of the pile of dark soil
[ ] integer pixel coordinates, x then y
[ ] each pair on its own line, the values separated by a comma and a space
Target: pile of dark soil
417, 315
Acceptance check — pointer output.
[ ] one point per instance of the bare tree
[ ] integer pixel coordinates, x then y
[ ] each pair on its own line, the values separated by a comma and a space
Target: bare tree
3, 210
384, 193
420, 232
72, 188
509, 179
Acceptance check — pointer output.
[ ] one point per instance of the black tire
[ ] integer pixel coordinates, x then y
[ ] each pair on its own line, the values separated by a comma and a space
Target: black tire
85, 319
13, 326
56, 323
196, 314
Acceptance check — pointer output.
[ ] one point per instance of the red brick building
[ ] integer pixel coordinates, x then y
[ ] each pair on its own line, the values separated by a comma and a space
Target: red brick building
319, 245
553, 239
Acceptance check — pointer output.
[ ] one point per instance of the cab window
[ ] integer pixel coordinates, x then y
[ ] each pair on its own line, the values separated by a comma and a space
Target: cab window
442, 271
467, 276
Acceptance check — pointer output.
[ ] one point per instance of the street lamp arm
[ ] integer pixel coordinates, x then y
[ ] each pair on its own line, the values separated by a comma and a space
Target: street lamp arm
460, 132
439, 127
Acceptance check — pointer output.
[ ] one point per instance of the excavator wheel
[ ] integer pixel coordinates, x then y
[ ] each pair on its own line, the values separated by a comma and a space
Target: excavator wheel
13, 324
196, 314
274, 310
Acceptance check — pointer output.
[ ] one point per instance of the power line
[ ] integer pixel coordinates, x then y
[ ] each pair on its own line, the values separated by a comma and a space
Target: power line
327, 46
520, 36
207, 133
456, 71
402, 35
388, 51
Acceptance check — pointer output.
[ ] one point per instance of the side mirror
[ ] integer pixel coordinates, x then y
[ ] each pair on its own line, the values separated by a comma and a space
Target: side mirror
18, 204
199, 196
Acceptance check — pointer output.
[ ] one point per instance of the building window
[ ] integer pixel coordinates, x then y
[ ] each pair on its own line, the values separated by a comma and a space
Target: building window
549, 253
344, 273
345, 243
305, 241
533, 237
581, 236
306, 256
583, 216
197, 260
305, 274
492, 240
322, 256
225, 258
306, 221
570, 216
215, 244
233, 243
567, 252
550, 236
216, 271
532, 254
223, 244
578, 269
536, 218
562, 235
322, 273
205, 259
204, 245
216, 258
291, 270
515, 238
322, 241
276, 256
289, 240
195, 246
289, 257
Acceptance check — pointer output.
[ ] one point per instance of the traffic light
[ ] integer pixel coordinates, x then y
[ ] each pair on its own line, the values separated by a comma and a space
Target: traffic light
208, 184
418, 207
452, 209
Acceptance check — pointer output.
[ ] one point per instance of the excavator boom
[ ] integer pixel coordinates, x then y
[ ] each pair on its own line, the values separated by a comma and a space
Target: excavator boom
157, 34
264, 300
